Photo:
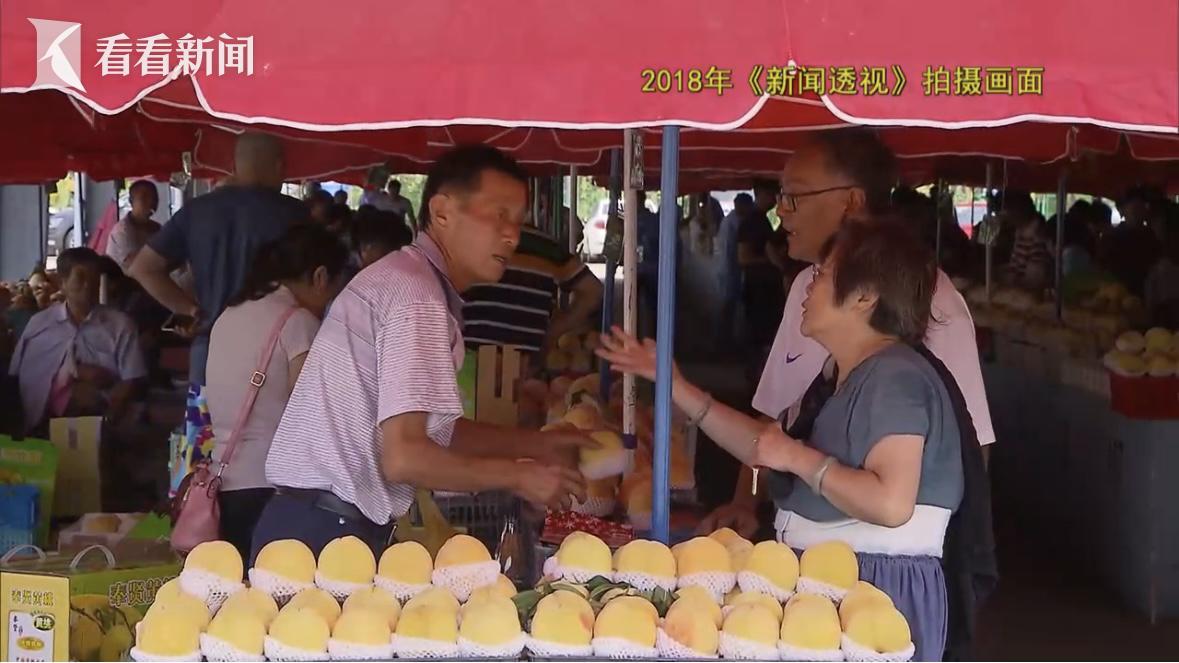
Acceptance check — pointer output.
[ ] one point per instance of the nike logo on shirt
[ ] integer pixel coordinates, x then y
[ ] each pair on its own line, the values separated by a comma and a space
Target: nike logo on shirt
791, 359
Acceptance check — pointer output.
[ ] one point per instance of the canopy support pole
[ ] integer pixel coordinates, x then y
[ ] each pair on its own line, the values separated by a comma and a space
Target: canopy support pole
937, 219
990, 245
632, 169
1061, 199
556, 202
574, 226
611, 264
665, 333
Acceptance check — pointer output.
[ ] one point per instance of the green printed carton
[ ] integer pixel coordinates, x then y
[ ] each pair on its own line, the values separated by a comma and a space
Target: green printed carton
81, 608
31, 462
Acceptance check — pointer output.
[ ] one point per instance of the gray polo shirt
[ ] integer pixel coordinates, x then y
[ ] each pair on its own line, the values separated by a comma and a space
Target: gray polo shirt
894, 392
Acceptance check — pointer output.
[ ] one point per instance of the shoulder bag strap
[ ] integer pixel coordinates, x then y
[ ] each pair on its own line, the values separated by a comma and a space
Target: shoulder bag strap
257, 379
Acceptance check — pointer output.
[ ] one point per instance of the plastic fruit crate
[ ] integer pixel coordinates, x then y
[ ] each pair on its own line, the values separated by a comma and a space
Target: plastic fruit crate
18, 516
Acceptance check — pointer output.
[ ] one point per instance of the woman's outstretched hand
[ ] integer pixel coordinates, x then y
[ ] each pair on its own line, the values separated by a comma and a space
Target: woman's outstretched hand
775, 449
628, 354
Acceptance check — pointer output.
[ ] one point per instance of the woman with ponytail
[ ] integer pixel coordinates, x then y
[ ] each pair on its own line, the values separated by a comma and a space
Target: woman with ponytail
277, 313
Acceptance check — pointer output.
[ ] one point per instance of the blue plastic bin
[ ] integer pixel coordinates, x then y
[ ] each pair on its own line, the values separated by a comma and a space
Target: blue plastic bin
18, 516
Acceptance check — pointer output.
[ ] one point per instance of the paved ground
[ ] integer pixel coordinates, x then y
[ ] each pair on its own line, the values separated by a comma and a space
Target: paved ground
1048, 607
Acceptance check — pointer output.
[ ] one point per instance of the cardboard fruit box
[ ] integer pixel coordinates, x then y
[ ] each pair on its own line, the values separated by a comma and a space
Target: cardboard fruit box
80, 607
129, 536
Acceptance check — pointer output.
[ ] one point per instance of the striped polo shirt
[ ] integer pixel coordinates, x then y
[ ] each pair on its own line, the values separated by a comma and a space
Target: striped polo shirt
516, 310
391, 344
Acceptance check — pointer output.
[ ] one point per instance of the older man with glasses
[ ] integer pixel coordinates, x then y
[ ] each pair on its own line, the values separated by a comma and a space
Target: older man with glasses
839, 177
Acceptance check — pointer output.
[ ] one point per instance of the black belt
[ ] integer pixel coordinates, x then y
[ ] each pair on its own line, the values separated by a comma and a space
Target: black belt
326, 500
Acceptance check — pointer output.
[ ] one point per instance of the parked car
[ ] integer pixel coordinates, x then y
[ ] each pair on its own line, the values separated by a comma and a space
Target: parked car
61, 235
593, 233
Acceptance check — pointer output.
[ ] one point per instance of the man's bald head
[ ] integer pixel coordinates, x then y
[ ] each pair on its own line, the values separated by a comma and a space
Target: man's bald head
258, 160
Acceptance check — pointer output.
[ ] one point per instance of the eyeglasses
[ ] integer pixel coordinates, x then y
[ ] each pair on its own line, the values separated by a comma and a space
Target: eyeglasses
789, 201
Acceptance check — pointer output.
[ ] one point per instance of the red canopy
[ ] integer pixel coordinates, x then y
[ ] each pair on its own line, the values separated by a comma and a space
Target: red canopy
382, 65
545, 63
342, 90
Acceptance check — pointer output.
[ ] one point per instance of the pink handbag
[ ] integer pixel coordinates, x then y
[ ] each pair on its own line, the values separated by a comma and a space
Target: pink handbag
196, 514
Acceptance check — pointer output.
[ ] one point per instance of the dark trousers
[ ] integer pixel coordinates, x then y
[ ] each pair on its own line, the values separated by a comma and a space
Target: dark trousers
764, 300
240, 510
288, 516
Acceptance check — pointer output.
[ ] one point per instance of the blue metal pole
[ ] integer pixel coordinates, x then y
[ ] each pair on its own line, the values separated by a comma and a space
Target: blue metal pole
611, 266
665, 334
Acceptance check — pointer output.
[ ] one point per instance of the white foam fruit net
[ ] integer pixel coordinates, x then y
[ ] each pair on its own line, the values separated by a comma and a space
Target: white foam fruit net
544, 649
622, 649
216, 649
644, 581
138, 654
339, 589
422, 648
208, 587
669, 647
812, 586
402, 591
741, 649
509, 649
277, 651
279, 588
576, 574
854, 651
464, 579
549, 568
751, 581
792, 653
596, 506
717, 583
340, 650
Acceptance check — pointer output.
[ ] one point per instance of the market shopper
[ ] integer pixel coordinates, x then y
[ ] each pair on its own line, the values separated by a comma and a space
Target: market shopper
377, 410
762, 292
133, 231
881, 469
376, 234
839, 176
285, 296
217, 234
78, 357
402, 205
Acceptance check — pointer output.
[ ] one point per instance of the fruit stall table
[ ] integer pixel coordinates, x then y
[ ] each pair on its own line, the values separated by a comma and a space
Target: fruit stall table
1100, 481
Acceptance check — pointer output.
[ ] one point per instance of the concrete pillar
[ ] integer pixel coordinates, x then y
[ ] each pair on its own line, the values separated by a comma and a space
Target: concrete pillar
24, 215
96, 196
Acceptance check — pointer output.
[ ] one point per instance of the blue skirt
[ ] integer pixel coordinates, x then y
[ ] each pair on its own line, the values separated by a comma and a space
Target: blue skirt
917, 586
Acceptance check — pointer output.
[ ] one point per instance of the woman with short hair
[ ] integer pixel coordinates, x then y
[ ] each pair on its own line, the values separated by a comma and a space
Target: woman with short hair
881, 469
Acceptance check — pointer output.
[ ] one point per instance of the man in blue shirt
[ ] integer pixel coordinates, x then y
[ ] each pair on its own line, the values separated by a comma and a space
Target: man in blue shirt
218, 234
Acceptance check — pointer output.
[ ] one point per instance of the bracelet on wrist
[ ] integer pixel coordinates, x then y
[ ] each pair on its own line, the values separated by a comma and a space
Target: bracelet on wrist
696, 420
816, 480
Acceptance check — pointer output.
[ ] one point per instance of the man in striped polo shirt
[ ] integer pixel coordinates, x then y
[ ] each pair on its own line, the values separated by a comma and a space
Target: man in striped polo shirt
518, 310
376, 411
